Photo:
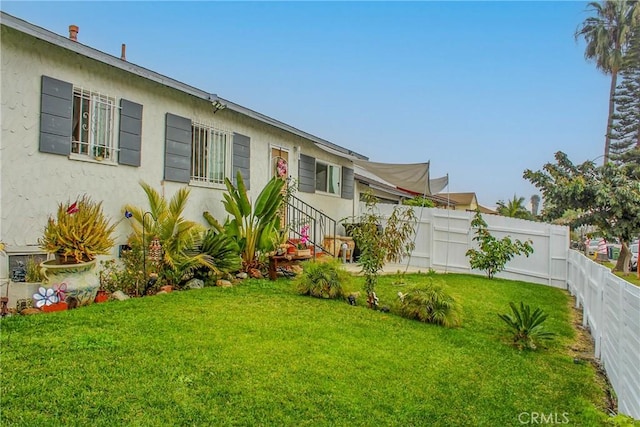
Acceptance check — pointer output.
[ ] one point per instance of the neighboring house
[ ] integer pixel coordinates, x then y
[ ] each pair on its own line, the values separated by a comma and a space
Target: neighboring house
76, 120
465, 202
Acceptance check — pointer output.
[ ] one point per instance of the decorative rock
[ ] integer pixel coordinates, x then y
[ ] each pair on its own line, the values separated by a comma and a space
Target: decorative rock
224, 283
242, 275
161, 292
166, 288
31, 310
194, 284
120, 296
255, 273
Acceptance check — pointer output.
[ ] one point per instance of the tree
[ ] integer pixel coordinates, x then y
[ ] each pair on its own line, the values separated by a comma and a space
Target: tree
514, 208
625, 135
379, 245
605, 196
606, 34
535, 205
493, 254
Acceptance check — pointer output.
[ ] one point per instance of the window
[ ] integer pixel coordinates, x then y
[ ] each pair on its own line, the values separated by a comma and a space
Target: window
209, 154
327, 178
94, 116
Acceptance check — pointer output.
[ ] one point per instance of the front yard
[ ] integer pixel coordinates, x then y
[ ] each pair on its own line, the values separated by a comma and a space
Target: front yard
259, 354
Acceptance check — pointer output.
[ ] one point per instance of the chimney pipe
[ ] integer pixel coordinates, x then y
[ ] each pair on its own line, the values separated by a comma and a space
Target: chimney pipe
123, 54
73, 32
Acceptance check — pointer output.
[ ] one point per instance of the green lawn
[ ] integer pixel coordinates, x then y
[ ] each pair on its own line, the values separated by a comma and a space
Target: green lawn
258, 354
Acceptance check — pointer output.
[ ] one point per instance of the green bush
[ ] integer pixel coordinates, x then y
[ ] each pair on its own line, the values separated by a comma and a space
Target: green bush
494, 254
430, 304
323, 279
526, 326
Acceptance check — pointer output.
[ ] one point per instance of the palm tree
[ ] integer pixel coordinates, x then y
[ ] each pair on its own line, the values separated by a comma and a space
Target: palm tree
607, 34
535, 204
514, 208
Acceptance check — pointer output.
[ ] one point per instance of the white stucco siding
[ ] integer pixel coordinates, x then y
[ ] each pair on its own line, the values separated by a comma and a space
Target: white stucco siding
33, 183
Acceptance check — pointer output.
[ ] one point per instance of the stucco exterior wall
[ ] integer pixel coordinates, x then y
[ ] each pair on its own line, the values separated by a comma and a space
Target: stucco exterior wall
33, 183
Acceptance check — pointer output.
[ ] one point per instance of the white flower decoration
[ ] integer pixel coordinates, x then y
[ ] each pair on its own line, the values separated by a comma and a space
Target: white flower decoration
45, 297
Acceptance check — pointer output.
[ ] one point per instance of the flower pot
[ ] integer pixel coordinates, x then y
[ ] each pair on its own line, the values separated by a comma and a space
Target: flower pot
303, 252
82, 281
59, 306
291, 250
101, 296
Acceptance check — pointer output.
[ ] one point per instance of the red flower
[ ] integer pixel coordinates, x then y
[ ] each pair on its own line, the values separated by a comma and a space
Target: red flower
73, 208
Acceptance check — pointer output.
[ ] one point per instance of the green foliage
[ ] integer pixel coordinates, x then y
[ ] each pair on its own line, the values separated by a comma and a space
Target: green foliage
126, 275
325, 279
79, 232
180, 239
223, 252
419, 201
514, 208
527, 327
379, 246
431, 304
621, 420
33, 271
494, 254
254, 229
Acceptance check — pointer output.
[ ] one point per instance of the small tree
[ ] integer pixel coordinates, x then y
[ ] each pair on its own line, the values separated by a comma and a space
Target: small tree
379, 245
494, 254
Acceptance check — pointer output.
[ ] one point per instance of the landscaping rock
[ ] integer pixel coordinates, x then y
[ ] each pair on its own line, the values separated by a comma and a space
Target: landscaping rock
166, 288
194, 284
224, 283
30, 310
120, 296
161, 292
255, 273
242, 275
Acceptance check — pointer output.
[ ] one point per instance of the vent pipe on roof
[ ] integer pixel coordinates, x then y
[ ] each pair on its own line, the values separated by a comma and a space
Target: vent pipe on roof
73, 32
123, 52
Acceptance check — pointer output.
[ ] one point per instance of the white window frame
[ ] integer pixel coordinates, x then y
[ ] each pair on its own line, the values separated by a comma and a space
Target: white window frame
210, 154
94, 124
326, 187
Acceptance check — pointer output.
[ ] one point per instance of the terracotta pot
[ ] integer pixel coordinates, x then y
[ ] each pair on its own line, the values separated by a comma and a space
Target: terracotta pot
59, 306
101, 296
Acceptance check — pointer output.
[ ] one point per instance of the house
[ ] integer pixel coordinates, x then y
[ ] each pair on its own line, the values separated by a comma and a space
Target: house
464, 202
77, 120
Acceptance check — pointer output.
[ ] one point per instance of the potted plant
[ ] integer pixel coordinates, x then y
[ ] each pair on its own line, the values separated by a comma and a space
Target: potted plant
100, 152
303, 249
76, 235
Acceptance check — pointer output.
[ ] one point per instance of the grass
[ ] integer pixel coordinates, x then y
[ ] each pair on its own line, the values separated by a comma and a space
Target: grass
632, 277
259, 354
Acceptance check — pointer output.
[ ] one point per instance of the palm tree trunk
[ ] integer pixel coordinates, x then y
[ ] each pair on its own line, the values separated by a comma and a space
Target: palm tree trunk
612, 90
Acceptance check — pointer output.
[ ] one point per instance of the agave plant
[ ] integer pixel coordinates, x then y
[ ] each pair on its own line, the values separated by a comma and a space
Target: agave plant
430, 304
527, 327
252, 228
79, 232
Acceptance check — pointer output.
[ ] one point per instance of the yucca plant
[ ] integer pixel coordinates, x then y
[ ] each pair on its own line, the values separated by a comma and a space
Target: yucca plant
323, 279
252, 227
527, 327
431, 304
79, 232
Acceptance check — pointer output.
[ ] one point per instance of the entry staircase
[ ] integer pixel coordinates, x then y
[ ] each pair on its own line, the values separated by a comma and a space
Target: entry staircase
320, 225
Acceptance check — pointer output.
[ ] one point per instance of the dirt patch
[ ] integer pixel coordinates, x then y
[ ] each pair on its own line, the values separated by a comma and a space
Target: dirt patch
582, 350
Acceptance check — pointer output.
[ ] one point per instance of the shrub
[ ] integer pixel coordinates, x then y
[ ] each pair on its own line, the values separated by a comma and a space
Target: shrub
379, 245
33, 271
494, 254
527, 327
323, 279
431, 304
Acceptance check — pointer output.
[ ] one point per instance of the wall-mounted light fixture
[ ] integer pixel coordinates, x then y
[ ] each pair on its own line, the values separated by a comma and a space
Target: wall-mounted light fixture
216, 103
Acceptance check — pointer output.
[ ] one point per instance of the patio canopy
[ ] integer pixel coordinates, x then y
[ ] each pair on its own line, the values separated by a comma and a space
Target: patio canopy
412, 177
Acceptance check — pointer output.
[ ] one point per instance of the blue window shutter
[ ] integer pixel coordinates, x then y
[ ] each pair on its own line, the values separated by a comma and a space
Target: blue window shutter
56, 115
347, 183
130, 136
177, 150
241, 156
307, 174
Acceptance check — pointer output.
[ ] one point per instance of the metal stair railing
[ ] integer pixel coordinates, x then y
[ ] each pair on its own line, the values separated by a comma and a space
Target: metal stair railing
300, 213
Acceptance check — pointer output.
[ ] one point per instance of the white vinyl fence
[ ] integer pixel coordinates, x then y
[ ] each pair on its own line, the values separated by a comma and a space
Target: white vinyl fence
611, 308
444, 236
611, 305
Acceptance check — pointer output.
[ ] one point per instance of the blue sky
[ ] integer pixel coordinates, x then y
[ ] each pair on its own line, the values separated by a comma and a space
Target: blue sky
483, 90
